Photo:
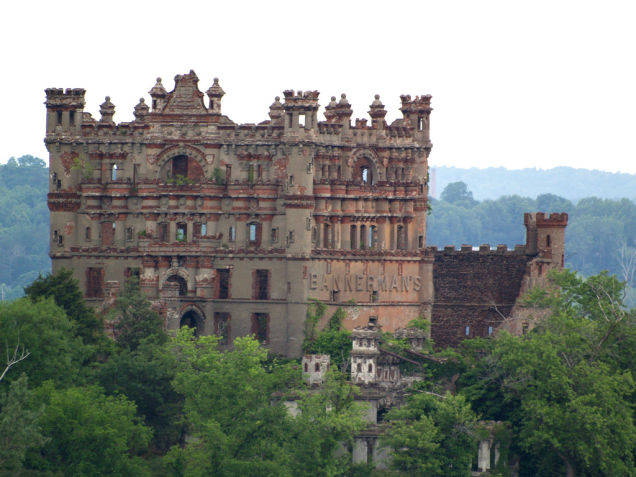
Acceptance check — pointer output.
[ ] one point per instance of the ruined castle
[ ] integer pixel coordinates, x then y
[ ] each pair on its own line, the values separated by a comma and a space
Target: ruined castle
233, 228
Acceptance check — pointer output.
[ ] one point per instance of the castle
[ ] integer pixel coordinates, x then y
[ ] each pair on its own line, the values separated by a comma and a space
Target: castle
233, 228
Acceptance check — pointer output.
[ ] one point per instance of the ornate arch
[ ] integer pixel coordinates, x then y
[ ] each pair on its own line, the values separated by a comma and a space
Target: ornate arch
365, 154
182, 272
192, 310
179, 150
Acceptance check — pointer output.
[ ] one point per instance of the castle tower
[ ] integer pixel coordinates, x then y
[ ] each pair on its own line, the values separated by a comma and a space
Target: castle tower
417, 112
215, 93
365, 352
545, 235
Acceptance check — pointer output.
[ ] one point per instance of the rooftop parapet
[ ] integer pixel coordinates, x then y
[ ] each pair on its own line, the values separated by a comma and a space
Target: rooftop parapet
540, 219
301, 100
69, 98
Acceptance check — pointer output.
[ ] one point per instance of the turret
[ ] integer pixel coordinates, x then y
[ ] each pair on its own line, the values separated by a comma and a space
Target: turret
215, 93
339, 112
417, 112
301, 110
158, 94
545, 235
365, 351
377, 113
107, 110
64, 109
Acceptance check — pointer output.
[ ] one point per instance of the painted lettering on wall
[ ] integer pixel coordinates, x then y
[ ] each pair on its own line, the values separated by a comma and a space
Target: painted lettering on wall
365, 283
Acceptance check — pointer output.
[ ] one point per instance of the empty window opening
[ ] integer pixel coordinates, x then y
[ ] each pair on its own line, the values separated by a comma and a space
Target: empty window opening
113, 172
259, 171
419, 123
370, 368
59, 118
274, 235
467, 330
222, 327
95, 282
317, 367
325, 171
328, 267
154, 104
183, 285
232, 234
353, 237
547, 241
129, 233
163, 232
131, 272
359, 368
260, 326
223, 275
193, 320
291, 180
420, 241
373, 236
366, 175
489, 330
71, 117
326, 237
290, 120
204, 229
108, 233
306, 367
290, 237
335, 296
262, 284
88, 233
301, 120
363, 236
180, 166
400, 237
182, 232
252, 229
374, 296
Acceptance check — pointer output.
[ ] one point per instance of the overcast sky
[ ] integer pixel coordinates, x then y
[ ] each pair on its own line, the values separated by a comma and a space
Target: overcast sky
515, 84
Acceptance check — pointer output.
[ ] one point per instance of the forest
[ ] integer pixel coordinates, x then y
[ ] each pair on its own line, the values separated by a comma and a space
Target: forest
601, 234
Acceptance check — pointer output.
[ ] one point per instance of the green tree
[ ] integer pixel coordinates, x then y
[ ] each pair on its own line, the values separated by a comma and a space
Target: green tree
88, 434
45, 332
134, 319
433, 435
65, 291
457, 193
19, 429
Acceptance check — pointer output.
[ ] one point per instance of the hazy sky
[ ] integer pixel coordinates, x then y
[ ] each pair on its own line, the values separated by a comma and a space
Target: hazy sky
514, 84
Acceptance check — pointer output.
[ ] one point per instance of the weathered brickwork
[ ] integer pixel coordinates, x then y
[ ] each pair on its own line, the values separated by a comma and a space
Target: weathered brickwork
233, 228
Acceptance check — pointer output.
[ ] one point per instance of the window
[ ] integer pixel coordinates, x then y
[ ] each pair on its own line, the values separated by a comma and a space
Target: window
301, 120
467, 330
260, 326
250, 173
290, 120
182, 232
94, 282
489, 330
163, 232
183, 285
364, 171
261, 284
374, 296
547, 241
363, 236
306, 367
420, 241
373, 236
108, 233
222, 327
223, 280
359, 368
129, 233
419, 123
328, 267
259, 171
87, 234
353, 237
335, 296
252, 231
401, 239
326, 237
232, 234
290, 237
274, 235
196, 229
524, 327
291, 180
204, 229
317, 367
370, 368
131, 272
180, 166
59, 117
72, 117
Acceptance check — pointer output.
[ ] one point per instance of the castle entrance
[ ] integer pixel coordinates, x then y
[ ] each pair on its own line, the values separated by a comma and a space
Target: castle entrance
192, 319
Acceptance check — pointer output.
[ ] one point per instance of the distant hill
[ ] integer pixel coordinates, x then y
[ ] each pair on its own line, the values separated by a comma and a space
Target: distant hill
567, 182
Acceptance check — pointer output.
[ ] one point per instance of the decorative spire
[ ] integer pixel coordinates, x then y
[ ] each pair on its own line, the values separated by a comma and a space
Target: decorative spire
158, 91
276, 111
215, 93
107, 110
377, 112
141, 110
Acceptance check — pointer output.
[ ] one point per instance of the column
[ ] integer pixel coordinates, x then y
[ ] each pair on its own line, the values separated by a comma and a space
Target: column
345, 234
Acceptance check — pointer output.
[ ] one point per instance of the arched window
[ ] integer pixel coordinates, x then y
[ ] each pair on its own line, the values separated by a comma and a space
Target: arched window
180, 166
193, 320
113, 172
365, 172
359, 368
183, 285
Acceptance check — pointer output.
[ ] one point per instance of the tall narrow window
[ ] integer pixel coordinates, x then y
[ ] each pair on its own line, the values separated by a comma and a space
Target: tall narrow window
196, 229
222, 327
260, 326
274, 235
59, 118
87, 235
163, 232
548, 242
467, 330
182, 232
204, 229
223, 280
363, 236
129, 234
113, 172
95, 282
261, 284
373, 236
353, 237
71, 117
400, 237
252, 231
232, 234
108, 233
326, 236
365, 175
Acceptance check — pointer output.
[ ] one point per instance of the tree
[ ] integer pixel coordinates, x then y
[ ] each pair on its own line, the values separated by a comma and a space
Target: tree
19, 429
457, 193
433, 435
135, 320
64, 289
44, 330
566, 387
88, 433
236, 427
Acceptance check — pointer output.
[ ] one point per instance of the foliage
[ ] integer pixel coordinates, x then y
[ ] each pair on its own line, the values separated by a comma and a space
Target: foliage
64, 289
134, 319
19, 429
88, 433
333, 340
179, 180
433, 435
457, 193
43, 329
567, 386
218, 176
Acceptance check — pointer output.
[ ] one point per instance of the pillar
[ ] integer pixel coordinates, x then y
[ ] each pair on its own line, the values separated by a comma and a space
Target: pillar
345, 233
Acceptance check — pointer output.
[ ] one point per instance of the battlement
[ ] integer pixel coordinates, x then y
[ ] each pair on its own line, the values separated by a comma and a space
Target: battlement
539, 219
71, 97
481, 250
419, 104
301, 100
